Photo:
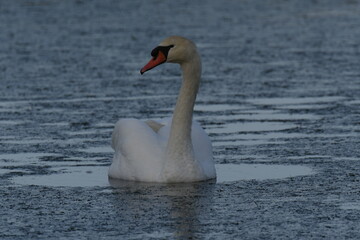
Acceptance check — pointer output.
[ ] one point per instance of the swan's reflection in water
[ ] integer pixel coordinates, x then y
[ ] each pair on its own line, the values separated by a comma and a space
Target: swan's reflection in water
178, 207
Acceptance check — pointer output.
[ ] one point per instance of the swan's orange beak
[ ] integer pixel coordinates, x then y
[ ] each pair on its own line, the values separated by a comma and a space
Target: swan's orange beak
155, 61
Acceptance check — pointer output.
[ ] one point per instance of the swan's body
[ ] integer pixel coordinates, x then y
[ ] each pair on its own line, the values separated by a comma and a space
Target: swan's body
171, 150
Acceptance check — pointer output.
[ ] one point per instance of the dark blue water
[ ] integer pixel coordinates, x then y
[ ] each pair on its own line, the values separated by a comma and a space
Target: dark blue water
279, 98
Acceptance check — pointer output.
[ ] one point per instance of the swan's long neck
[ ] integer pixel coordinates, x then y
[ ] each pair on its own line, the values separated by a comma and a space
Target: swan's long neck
182, 117
179, 152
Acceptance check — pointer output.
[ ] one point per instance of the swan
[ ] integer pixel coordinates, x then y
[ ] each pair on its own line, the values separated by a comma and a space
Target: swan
171, 150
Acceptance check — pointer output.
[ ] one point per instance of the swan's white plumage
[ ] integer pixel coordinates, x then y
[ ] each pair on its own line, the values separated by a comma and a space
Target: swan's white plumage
172, 150
140, 154
138, 151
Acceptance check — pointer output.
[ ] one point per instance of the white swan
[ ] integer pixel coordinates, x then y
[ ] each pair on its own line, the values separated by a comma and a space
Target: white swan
171, 150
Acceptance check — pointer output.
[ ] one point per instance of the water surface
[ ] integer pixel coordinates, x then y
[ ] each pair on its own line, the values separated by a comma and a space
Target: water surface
279, 98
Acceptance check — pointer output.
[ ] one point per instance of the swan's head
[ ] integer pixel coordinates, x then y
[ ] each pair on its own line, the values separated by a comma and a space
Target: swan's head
174, 49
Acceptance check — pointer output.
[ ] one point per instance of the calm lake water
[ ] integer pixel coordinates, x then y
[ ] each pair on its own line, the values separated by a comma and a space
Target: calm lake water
280, 99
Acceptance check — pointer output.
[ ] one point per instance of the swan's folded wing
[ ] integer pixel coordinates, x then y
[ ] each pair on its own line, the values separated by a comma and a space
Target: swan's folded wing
154, 125
138, 154
203, 150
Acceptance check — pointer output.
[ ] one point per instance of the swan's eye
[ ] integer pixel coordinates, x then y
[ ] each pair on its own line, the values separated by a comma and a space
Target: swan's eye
163, 49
